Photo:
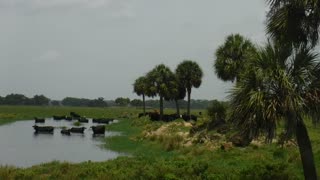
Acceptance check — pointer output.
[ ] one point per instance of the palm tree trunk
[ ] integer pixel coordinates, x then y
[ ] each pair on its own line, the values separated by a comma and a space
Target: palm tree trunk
144, 104
305, 149
177, 105
161, 107
188, 110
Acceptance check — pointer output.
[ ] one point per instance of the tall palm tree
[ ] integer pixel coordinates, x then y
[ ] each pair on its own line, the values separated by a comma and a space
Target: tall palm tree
294, 21
140, 88
231, 57
161, 81
189, 75
279, 86
181, 94
177, 94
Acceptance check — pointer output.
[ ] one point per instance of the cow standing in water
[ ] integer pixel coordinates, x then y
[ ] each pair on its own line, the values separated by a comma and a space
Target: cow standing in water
102, 120
98, 129
77, 130
43, 129
65, 131
39, 120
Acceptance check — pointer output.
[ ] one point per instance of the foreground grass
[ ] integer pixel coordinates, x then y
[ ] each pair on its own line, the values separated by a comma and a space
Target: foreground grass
150, 159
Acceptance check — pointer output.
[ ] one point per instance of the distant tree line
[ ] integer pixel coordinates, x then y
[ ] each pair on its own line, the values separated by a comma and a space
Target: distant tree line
20, 99
71, 101
41, 100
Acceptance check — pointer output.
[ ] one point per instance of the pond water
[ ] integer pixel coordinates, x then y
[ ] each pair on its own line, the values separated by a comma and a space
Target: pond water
21, 147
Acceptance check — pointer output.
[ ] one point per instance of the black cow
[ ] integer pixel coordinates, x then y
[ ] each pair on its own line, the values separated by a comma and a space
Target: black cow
65, 131
74, 115
43, 129
59, 117
68, 118
83, 120
154, 116
143, 114
39, 120
77, 130
102, 120
98, 129
187, 118
167, 118
95, 120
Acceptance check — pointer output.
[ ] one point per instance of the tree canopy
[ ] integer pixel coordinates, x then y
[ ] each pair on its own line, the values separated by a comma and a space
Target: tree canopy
294, 21
232, 56
162, 82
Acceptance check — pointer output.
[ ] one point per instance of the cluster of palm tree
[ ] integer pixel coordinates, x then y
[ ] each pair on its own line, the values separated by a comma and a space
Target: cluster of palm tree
277, 81
169, 86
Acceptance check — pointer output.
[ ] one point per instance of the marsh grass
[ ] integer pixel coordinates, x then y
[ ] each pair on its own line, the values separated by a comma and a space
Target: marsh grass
77, 123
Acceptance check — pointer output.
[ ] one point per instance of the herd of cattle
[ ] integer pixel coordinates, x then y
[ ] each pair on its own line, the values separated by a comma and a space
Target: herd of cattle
155, 116
99, 129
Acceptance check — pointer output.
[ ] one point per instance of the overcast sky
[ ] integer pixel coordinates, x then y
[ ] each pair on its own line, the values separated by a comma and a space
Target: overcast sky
97, 48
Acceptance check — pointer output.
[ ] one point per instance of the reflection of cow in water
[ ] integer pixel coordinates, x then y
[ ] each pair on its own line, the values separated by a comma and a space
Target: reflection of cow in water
39, 120
43, 129
98, 129
77, 130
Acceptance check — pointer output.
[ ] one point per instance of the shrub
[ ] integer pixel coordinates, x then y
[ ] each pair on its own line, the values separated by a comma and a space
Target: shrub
268, 171
77, 123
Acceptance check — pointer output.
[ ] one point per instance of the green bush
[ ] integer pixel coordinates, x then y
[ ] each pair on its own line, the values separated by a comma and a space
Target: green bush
77, 123
280, 153
269, 171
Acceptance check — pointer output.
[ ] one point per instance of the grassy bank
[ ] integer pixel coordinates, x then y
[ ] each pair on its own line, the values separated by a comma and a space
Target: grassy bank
162, 157
14, 113
128, 142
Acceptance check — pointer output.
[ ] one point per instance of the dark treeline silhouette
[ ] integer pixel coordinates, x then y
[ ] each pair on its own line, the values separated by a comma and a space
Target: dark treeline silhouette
41, 100
20, 99
71, 101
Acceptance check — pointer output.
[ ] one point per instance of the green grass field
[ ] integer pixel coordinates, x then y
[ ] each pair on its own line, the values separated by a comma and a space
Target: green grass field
150, 159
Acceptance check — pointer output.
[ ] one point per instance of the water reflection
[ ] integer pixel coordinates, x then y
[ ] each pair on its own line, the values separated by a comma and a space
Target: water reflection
21, 146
